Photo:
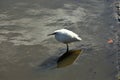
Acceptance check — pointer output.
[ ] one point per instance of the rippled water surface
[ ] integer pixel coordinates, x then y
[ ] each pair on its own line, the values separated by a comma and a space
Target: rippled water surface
24, 44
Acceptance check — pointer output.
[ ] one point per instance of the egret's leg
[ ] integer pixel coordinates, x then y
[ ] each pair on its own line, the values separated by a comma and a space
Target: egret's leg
67, 47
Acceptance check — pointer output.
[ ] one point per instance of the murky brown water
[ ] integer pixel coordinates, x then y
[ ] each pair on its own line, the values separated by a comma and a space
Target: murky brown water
24, 44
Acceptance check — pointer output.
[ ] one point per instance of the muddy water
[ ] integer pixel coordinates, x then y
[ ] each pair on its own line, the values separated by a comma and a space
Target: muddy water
24, 44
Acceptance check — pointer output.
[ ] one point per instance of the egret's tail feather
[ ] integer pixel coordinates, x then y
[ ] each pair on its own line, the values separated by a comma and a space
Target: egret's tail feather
79, 38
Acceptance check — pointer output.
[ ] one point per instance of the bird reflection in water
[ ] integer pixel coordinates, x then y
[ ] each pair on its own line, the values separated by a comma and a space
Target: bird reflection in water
68, 58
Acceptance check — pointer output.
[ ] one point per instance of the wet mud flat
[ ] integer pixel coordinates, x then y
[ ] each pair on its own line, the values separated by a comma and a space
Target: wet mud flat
117, 36
24, 45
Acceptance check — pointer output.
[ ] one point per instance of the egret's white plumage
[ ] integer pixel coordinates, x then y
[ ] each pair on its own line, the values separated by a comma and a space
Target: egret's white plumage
66, 36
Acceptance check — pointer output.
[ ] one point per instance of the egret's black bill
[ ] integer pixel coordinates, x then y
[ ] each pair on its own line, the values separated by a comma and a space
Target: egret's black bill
51, 34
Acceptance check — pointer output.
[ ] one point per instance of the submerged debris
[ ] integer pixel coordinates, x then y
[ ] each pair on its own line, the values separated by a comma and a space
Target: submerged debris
110, 41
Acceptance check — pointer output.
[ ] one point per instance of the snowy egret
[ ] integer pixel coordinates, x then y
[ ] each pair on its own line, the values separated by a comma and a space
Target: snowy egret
65, 36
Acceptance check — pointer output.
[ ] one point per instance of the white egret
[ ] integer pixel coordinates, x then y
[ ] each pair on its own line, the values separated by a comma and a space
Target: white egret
66, 36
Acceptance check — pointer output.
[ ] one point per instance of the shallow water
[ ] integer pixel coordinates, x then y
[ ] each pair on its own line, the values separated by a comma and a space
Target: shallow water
24, 44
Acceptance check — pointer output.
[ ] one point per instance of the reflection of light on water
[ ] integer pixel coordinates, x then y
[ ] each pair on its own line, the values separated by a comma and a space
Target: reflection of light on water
3, 16
2, 38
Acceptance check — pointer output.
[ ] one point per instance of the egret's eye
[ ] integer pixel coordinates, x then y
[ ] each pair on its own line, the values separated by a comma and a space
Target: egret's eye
56, 33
